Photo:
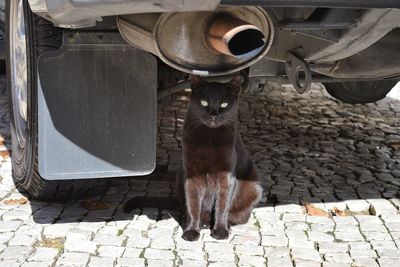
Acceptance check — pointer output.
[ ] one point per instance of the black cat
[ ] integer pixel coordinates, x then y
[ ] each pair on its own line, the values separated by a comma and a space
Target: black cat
217, 177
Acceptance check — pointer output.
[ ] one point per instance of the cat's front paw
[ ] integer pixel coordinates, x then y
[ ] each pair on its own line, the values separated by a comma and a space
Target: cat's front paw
191, 235
220, 233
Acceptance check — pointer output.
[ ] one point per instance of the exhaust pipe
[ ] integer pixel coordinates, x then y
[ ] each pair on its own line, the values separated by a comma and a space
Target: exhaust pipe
204, 43
235, 37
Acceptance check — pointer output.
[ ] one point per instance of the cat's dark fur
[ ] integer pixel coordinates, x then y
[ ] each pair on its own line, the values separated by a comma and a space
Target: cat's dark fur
217, 176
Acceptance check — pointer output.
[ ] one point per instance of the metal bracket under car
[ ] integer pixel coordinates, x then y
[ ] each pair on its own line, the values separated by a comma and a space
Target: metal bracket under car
96, 109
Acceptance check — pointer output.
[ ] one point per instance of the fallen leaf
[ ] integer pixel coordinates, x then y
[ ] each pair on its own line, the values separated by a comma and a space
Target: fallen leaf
95, 205
19, 201
339, 212
314, 211
5, 154
57, 243
395, 145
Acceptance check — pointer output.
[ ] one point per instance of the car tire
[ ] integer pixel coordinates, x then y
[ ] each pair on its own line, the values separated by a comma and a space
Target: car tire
28, 36
360, 92
22, 91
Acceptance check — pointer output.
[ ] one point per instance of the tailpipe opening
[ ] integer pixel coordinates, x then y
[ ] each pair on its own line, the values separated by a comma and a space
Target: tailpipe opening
235, 37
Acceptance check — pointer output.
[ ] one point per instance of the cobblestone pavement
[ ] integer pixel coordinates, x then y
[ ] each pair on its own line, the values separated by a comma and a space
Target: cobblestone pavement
316, 157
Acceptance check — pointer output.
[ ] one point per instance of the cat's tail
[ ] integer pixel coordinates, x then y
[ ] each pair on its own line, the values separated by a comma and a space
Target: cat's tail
152, 202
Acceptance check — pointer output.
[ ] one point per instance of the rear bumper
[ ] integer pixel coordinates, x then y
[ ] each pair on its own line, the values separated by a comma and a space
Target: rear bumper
318, 3
84, 13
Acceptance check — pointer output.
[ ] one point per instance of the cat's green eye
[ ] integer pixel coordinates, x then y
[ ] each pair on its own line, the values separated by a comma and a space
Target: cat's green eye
204, 103
224, 105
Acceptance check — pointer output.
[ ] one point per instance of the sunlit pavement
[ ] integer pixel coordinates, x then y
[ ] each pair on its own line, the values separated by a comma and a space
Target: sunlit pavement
330, 171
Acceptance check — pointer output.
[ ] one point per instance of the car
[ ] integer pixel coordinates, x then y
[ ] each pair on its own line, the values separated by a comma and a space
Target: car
84, 77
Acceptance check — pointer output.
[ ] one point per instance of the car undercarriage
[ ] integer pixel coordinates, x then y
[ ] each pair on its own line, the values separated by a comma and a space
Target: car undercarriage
77, 64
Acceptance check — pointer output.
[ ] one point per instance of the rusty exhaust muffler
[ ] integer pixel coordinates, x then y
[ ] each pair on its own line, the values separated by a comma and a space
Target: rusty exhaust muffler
204, 43
235, 37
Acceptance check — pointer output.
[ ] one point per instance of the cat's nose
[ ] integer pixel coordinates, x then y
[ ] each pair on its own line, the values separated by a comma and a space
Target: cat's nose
214, 117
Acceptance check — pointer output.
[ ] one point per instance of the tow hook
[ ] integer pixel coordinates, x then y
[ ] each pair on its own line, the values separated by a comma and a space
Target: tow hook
294, 67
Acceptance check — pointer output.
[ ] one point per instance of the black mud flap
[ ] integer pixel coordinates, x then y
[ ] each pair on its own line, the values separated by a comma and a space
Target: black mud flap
96, 110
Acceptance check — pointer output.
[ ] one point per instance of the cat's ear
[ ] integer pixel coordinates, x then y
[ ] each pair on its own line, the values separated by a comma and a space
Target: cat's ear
196, 81
235, 84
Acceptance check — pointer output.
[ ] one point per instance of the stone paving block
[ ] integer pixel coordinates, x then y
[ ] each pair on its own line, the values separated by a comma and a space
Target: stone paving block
110, 240
218, 247
365, 262
163, 243
324, 247
186, 245
217, 264
382, 206
306, 254
359, 245
252, 261
274, 241
387, 218
296, 226
347, 228
108, 230
298, 243
160, 263
220, 256
362, 253
110, 251
365, 227
43, 254
306, 263
100, 261
358, 205
318, 236
388, 262
193, 263
337, 257
191, 255
335, 264
249, 250
246, 240
73, 259
37, 264
16, 252
393, 226
346, 220
316, 227
22, 240
30, 229
128, 262
157, 254
57, 230
132, 252
79, 234
389, 253
8, 226
5, 237
138, 242
385, 244
279, 262
80, 246
348, 236
14, 215
379, 236
272, 231
11, 263
277, 252
319, 220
